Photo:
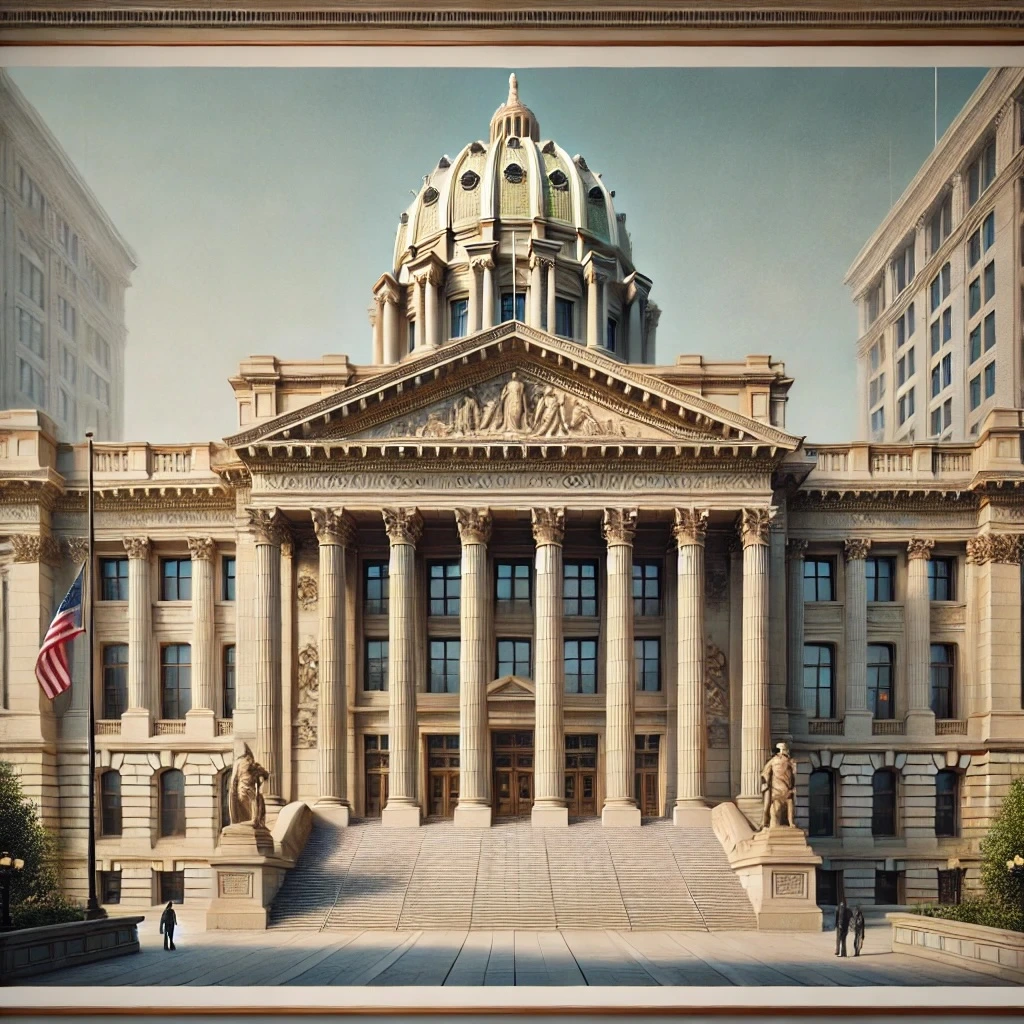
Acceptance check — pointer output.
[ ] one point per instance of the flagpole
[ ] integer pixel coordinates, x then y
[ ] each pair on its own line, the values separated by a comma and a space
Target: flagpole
93, 909
514, 275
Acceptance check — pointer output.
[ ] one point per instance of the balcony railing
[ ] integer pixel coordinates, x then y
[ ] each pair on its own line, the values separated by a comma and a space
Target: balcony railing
225, 726
951, 727
170, 727
825, 726
108, 727
889, 727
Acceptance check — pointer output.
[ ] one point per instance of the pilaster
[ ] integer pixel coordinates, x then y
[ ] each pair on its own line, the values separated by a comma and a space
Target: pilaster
920, 718
137, 720
857, 715
200, 720
795, 549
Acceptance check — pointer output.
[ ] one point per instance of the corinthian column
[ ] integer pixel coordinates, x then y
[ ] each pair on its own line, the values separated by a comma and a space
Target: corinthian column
432, 280
378, 330
335, 531
404, 527
200, 720
620, 809
549, 809
920, 718
593, 280
795, 631
552, 295
690, 529
473, 306
536, 289
269, 533
857, 714
474, 807
488, 291
136, 722
756, 721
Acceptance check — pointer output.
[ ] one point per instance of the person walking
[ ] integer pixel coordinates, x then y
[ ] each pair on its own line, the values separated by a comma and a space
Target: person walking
858, 930
842, 927
168, 919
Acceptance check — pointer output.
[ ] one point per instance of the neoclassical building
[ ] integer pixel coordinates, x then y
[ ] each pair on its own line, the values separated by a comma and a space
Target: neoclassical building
517, 568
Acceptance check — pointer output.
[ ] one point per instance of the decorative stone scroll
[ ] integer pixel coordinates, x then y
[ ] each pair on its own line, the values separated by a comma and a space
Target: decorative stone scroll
920, 547
34, 548
995, 547
716, 697
755, 524
403, 525
856, 550
619, 525
201, 548
690, 526
307, 591
269, 526
474, 525
548, 525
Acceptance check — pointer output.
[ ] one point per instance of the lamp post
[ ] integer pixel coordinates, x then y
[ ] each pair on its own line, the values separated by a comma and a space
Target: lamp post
9, 866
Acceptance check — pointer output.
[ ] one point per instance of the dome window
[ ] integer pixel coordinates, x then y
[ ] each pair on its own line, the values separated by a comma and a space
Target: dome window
513, 142
559, 180
430, 196
595, 195
469, 180
514, 174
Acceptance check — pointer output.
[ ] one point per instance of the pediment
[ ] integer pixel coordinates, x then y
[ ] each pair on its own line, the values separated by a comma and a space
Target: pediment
511, 688
512, 386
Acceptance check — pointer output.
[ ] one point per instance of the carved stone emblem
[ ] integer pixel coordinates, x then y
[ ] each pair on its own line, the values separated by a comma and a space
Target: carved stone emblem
309, 696
716, 697
307, 589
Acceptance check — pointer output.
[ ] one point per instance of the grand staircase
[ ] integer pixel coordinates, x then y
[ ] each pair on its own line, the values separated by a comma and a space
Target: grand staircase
512, 876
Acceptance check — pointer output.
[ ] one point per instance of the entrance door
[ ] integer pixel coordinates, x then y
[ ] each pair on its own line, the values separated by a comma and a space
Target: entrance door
376, 765
646, 780
513, 773
581, 776
442, 775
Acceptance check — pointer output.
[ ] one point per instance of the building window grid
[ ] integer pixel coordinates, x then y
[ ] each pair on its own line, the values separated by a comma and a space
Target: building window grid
819, 680
175, 681
981, 172
883, 803
947, 803
880, 677
110, 803
647, 654
580, 665
513, 590
375, 666
942, 579
175, 579
646, 588
579, 588
115, 680
821, 803
114, 579
375, 588
228, 568
940, 224
229, 684
819, 579
459, 318
445, 588
514, 658
880, 574
444, 666
172, 803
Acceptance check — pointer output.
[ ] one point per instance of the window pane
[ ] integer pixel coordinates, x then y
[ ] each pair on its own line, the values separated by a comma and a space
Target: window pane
115, 680
821, 803
883, 803
172, 803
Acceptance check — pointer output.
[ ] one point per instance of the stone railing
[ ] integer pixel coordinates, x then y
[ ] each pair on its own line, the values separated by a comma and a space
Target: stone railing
888, 727
124, 462
951, 727
225, 726
170, 727
108, 727
826, 726
27, 952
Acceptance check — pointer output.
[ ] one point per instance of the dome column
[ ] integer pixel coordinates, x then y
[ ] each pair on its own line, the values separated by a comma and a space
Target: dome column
487, 263
596, 271
377, 321
385, 294
552, 312
536, 288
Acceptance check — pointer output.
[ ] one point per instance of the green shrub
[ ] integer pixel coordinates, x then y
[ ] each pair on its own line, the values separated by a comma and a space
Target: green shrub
23, 835
1004, 841
50, 908
979, 911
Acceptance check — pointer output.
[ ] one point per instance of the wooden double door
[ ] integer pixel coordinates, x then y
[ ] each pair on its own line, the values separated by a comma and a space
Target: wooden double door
581, 776
512, 759
375, 765
647, 775
442, 775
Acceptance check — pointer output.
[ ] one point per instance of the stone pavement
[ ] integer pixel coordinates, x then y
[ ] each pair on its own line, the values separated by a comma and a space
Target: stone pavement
510, 957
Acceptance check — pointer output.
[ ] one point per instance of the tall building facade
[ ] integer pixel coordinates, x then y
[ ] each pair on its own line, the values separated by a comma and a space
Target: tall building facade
65, 270
938, 286
514, 568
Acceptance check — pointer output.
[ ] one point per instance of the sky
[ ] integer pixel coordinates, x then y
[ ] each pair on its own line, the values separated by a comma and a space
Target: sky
262, 204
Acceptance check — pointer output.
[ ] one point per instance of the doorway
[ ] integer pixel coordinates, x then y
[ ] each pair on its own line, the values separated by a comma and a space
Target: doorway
581, 776
513, 773
646, 779
442, 775
376, 774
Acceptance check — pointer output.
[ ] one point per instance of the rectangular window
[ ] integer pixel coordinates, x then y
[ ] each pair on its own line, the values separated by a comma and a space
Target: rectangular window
819, 579
30, 333
887, 888
31, 383
228, 574
828, 889
460, 318
901, 373
30, 281
375, 588
579, 588
950, 886
67, 239
975, 392
947, 413
947, 371
230, 690
941, 223
444, 666
110, 887
512, 586
880, 574
936, 421
172, 887
175, 680
445, 581
974, 296
564, 318
990, 379
514, 658
67, 317
30, 194
412, 335
990, 281
974, 248
506, 307
942, 680
113, 579
974, 344
936, 341
611, 335
988, 232
878, 421
880, 680
115, 680
647, 652
580, 666
646, 588
936, 380
989, 333
819, 680
903, 268
375, 667
981, 173
947, 325
941, 579
901, 410
175, 579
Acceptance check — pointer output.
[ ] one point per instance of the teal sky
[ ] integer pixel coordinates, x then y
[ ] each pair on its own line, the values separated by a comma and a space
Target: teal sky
262, 204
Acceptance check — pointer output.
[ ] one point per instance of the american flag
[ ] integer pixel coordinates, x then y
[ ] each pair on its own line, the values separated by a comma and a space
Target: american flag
52, 662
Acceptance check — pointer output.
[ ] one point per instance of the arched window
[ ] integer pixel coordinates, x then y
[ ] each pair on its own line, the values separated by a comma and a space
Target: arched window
110, 803
821, 800
883, 803
172, 803
225, 799
947, 803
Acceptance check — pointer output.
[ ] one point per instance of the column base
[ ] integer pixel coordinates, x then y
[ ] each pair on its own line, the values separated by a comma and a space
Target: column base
857, 725
136, 724
337, 809
620, 816
920, 725
691, 814
473, 816
400, 815
549, 816
200, 724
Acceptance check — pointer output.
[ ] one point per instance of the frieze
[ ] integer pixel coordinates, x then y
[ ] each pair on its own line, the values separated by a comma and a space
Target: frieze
947, 616
19, 514
716, 697
151, 518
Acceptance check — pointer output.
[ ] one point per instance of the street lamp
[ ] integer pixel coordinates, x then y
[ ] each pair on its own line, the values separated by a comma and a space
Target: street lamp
9, 867
1016, 868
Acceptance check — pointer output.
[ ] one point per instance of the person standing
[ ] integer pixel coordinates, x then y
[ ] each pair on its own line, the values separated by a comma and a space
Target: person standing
842, 927
858, 930
168, 919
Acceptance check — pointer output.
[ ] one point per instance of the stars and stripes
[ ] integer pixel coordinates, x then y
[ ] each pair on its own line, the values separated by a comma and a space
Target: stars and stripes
52, 662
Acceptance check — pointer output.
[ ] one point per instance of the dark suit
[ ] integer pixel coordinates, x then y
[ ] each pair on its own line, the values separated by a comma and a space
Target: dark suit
842, 928
858, 931
168, 919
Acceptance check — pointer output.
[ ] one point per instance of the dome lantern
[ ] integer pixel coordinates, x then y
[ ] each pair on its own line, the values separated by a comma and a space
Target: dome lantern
512, 119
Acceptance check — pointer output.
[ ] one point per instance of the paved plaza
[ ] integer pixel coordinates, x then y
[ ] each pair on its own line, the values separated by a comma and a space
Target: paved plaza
596, 957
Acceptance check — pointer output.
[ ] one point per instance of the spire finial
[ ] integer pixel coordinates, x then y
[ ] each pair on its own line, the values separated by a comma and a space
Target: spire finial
513, 90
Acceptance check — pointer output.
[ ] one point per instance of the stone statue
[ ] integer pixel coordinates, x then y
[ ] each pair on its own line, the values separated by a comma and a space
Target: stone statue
513, 402
778, 783
467, 415
549, 416
245, 801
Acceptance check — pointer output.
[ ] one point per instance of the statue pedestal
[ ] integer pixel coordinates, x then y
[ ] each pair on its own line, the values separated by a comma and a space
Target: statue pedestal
775, 866
246, 874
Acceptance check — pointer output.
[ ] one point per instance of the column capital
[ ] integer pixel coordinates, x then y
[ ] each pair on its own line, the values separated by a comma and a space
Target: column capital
482, 263
75, 549
593, 275
403, 525
201, 548
474, 525
755, 524
856, 549
920, 547
427, 275
268, 525
619, 525
999, 547
548, 525
690, 526
137, 547
796, 548
333, 526
537, 260
30, 547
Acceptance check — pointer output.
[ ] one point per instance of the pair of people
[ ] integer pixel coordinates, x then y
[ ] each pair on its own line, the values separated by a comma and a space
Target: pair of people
844, 919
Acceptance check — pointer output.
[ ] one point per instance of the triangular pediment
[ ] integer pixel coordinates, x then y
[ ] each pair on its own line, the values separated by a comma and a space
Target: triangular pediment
512, 386
511, 688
